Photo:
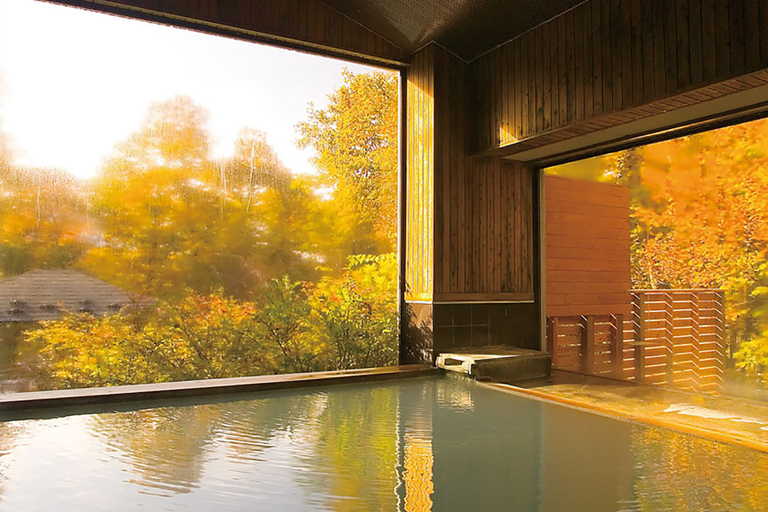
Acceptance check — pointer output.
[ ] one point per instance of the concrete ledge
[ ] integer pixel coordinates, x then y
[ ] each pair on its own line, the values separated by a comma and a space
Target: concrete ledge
647, 417
12, 404
500, 364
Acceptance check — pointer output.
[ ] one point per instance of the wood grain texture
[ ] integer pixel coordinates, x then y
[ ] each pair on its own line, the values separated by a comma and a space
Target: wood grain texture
420, 177
469, 221
497, 236
608, 62
303, 24
587, 248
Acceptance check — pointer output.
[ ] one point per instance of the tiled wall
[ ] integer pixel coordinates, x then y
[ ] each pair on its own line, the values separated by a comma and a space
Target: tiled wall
434, 328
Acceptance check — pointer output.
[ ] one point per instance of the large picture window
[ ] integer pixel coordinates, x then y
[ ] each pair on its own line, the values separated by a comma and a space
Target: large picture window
175, 205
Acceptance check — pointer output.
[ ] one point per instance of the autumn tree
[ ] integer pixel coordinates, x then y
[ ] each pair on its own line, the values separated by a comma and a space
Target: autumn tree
254, 166
355, 143
705, 225
341, 323
165, 219
355, 315
699, 219
229, 248
43, 220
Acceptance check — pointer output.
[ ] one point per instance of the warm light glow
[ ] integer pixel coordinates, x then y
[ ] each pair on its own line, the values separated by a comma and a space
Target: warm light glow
75, 82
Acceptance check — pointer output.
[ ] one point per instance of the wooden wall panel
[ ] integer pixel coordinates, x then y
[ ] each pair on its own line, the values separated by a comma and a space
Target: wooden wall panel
420, 177
587, 248
608, 62
490, 237
303, 24
469, 222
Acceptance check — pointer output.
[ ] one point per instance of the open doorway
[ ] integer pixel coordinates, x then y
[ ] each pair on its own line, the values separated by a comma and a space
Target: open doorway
685, 224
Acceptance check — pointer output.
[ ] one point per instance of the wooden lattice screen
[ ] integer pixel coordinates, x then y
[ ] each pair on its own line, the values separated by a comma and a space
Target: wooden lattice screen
672, 337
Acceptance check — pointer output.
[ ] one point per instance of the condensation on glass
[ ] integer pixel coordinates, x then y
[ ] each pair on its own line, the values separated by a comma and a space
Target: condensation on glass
180, 245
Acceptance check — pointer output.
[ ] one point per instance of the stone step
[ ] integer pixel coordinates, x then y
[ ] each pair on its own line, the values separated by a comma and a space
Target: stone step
499, 364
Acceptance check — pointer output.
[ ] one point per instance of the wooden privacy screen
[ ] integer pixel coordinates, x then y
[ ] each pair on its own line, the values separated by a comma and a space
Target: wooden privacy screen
678, 337
590, 344
673, 338
595, 323
587, 248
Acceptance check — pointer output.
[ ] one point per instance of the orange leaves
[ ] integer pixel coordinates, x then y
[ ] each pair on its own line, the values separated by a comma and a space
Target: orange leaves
700, 208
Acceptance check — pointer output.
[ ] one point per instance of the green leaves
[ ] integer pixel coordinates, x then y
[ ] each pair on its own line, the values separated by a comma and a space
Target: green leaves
342, 323
355, 141
254, 270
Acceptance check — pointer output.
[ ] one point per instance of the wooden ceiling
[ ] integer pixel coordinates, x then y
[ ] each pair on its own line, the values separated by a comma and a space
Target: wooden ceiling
468, 28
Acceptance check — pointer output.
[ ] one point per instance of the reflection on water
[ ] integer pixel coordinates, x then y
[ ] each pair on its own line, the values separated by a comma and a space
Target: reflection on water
428, 444
679, 472
417, 474
166, 448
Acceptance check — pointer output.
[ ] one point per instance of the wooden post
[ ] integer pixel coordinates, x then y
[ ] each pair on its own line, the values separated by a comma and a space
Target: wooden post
638, 305
720, 330
695, 341
617, 347
669, 338
552, 334
588, 346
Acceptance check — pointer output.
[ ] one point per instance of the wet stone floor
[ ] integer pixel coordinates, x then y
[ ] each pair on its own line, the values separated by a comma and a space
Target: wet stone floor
734, 420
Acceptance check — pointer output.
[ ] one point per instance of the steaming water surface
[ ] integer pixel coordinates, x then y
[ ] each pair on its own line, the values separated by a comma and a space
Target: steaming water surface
413, 445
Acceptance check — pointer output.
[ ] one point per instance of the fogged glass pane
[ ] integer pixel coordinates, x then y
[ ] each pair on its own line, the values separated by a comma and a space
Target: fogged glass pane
179, 206
670, 262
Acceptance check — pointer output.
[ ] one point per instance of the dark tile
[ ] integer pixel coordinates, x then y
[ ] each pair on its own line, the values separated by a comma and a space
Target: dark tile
416, 344
442, 315
499, 315
420, 315
462, 336
479, 314
479, 336
522, 326
501, 333
443, 339
462, 314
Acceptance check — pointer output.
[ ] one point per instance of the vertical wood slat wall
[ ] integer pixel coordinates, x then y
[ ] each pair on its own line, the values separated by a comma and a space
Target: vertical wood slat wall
470, 221
420, 177
293, 22
606, 56
488, 234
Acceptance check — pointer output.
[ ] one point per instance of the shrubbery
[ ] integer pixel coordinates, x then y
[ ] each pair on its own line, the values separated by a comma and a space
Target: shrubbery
339, 323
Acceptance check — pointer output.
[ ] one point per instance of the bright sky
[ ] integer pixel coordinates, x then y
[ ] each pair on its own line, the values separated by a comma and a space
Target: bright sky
76, 82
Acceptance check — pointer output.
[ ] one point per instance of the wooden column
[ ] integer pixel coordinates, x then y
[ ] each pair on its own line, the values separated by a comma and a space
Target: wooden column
470, 245
617, 346
588, 344
639, 320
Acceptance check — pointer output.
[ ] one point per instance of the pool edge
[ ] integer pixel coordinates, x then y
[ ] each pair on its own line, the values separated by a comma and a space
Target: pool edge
712, 435
36, 400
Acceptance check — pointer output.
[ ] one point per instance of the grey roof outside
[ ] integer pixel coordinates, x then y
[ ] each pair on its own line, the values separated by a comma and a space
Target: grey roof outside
43, 294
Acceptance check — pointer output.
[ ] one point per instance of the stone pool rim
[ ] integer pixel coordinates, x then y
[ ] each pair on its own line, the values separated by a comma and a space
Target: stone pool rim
653, 421
54, 403
112, 395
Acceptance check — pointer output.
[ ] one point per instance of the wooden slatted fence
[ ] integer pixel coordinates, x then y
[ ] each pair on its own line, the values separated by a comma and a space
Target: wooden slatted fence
672, 338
